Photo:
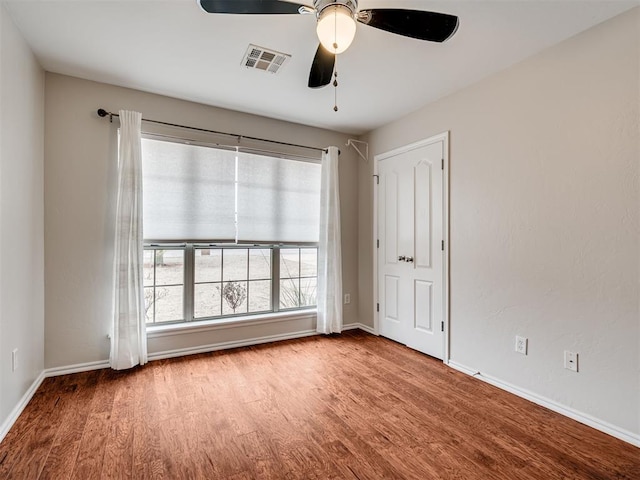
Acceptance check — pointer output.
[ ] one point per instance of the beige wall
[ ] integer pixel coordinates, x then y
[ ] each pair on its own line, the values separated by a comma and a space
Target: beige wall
21, 217
80, 179
545, 241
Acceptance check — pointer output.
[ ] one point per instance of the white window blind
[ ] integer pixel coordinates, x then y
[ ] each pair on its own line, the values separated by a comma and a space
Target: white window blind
197, 193
188, 192
278, 199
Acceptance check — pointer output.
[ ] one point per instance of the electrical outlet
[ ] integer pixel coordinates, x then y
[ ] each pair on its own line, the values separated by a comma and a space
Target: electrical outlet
571, 361
521, 345
347, 298
14, 359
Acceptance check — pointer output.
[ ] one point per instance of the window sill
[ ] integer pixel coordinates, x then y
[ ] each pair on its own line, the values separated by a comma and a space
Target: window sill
155, 331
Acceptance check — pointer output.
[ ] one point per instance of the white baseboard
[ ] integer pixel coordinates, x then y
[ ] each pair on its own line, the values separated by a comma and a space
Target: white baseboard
85, 367
614, 431
15, 413
462, 368
248, 342
367, 329
80, 367
232, 344
361, 326
171, 330
350, 326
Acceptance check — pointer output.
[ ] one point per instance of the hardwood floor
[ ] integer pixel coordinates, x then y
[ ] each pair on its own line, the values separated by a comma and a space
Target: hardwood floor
345, 407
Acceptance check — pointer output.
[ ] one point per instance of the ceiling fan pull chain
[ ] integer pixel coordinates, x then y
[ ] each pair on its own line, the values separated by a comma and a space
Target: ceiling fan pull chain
335, 85
335, 89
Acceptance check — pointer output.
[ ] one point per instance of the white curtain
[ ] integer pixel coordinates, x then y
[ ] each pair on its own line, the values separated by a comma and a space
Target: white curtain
128, 338
329, 248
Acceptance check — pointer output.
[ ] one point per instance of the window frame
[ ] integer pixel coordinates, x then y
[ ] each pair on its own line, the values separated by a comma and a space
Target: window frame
155, 286
188, 301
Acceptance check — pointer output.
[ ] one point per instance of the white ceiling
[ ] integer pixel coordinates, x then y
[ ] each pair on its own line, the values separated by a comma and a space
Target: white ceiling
172, 47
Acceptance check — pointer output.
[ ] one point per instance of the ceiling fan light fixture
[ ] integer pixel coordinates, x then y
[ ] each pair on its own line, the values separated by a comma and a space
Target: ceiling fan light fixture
336, 28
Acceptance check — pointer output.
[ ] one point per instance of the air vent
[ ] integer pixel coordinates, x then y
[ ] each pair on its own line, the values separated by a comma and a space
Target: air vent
263, 59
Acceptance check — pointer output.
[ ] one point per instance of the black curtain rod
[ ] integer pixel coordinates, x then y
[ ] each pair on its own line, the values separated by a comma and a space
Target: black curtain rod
103, 113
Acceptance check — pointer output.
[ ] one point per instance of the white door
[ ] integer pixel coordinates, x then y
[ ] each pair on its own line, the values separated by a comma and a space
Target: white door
411, 246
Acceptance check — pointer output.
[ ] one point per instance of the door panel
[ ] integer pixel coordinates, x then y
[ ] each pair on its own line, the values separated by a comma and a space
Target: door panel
391, 310
391, 298
422, 197
390, 188
410, 260
424, 312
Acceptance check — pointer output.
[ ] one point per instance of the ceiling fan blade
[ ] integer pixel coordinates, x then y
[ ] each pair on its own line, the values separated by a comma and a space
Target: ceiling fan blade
430, 26
321, 68
255, 7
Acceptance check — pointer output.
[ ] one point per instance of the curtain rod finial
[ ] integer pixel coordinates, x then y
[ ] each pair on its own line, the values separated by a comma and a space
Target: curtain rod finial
102, 112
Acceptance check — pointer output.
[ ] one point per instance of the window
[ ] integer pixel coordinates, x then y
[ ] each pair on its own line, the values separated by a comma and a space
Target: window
163, 271
227, 233
227, 281
231, 281
298, 277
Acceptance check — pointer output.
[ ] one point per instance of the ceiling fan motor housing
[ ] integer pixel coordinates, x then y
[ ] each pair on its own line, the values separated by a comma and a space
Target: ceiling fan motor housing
320, 5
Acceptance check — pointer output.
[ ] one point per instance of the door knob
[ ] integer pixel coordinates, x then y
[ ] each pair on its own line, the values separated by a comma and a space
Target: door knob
402, 258
409, 259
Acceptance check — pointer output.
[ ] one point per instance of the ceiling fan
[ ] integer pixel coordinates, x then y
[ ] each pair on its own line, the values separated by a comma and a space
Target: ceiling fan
336, 25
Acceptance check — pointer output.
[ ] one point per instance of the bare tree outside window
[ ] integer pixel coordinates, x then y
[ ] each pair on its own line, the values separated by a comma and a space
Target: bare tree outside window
234, 294
151, 298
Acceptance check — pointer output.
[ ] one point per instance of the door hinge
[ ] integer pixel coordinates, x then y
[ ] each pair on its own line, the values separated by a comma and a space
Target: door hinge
442, 326
377, 307
443, 245
377, 243
377, 179
442, 164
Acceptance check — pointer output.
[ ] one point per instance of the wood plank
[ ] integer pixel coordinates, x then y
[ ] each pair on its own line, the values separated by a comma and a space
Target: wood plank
66, 445
89, 461
350, 406
118, 450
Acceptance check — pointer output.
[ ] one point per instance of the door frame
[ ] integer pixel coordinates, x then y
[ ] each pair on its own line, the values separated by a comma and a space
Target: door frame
442, 137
